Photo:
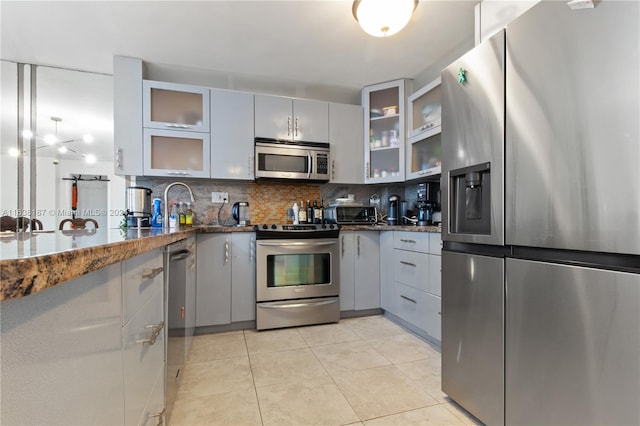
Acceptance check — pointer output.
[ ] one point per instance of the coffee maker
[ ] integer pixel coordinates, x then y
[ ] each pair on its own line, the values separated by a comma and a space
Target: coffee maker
428, 204
138, 212
393, 211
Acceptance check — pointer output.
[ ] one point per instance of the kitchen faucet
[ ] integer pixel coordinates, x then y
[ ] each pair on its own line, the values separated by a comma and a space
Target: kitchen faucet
166, 192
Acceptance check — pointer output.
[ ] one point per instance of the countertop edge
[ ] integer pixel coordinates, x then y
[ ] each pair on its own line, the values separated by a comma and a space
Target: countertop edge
22, 277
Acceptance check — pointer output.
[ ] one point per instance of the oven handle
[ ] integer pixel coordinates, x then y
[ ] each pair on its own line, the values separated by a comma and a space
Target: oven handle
297, 244
296, 305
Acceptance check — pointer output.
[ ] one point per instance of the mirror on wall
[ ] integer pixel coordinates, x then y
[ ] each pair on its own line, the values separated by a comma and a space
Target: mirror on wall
68, 146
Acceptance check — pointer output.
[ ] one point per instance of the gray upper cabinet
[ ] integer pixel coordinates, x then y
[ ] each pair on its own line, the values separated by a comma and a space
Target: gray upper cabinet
291, 119
232, 136
127, 115
345, 136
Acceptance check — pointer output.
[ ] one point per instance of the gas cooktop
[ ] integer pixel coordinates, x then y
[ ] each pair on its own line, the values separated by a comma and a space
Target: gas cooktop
301, 231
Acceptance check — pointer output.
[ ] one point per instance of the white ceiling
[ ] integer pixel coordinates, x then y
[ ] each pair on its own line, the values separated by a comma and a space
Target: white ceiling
315, 42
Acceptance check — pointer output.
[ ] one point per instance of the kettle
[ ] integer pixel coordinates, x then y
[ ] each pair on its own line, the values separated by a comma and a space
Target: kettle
393, 212
240, 213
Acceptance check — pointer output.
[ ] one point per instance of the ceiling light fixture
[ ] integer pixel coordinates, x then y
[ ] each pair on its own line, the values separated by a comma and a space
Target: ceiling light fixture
382, 18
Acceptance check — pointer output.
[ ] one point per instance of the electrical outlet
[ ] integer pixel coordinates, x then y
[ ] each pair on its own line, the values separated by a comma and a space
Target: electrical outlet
219, 197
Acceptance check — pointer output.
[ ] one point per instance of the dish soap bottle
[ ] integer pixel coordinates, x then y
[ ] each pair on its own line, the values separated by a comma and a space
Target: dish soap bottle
173, 217
156, 218
188, 219
182, 217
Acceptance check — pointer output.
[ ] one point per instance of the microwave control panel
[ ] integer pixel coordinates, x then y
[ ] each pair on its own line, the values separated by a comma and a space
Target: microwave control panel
322, 164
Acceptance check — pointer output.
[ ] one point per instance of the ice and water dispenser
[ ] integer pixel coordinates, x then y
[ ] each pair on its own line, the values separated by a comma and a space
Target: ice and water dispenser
470, 201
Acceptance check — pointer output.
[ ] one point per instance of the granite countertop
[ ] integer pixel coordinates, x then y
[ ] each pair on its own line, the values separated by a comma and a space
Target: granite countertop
383, 227
32, 262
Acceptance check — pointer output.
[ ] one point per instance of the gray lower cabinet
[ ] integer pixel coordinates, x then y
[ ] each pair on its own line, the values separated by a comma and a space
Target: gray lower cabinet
83, 352
225, 278
61, 353
386, 271
410, 268
143, 337
213, 279
243, 276
359, 270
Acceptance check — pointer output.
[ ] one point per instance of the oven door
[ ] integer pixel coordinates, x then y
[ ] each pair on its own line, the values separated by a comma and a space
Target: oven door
296, 269
290, 162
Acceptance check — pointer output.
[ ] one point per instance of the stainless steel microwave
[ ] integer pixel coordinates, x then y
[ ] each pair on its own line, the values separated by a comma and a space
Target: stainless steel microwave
292, 160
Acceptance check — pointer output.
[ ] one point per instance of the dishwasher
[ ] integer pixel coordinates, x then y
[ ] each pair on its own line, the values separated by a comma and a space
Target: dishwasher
180, 303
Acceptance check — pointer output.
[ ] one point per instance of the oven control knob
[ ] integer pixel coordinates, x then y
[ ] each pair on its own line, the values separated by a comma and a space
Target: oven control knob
324, 226
265, 226
330, 226
256, 227
274, 226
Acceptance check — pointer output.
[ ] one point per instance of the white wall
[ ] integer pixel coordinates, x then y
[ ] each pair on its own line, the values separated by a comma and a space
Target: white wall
493, 15
114, 203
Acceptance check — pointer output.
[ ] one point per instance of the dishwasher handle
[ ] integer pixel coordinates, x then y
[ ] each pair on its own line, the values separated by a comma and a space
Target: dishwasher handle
179, 255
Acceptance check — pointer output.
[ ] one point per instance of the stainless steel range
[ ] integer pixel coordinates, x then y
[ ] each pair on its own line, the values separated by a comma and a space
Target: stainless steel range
297, 275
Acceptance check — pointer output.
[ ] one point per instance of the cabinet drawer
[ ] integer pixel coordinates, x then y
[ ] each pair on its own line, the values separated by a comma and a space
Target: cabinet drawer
435, 243
142, 276
434, 316
411, 268
153, 412
410, 304
414, 241
435, 271
142, 360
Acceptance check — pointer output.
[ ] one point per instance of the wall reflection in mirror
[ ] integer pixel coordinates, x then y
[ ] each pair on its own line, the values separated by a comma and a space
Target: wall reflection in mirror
57, 146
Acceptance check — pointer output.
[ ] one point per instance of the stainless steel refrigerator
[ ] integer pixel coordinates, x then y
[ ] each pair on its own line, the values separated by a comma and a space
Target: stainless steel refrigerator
541, 219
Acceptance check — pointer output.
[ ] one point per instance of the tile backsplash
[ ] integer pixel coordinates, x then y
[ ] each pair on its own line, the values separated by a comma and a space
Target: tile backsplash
269, 200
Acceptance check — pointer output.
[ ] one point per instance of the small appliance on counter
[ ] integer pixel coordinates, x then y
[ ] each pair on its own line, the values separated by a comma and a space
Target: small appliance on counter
351, 215
393, 212
240, 213
138, 207
428, 204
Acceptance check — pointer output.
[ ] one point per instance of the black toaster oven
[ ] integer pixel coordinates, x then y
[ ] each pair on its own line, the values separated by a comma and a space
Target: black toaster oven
352, 215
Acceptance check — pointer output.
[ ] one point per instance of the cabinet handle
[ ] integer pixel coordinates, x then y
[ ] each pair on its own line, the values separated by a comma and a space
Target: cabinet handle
289, 126
176, 173
177, 126
407, 241
157, 328
226, 251
152, 273
343, 246
408, 263
159, 415
252, 253
250, 171
366, 171
333, 169
358, 245
296, 134
408, 298
439, 313
118, 159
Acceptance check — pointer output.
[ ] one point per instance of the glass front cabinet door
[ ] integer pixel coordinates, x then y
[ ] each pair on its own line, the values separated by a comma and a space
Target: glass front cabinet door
173, 106
176, 153
424, 149
384, 130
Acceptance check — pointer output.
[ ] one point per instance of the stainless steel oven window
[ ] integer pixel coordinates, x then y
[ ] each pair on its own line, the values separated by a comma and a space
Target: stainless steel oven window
298, 269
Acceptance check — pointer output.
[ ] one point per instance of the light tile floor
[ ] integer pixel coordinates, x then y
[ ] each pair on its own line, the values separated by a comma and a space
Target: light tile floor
361, 371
